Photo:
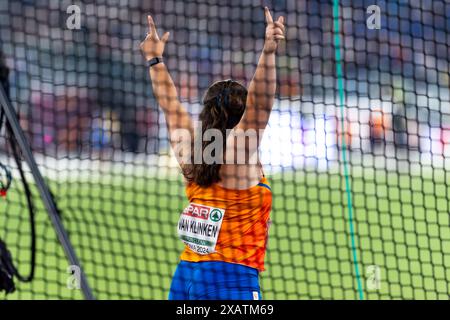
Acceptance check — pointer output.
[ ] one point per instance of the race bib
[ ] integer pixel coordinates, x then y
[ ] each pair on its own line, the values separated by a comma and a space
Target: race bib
199, 227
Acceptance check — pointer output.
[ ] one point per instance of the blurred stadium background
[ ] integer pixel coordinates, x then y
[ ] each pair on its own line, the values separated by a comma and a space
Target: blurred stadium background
85, 102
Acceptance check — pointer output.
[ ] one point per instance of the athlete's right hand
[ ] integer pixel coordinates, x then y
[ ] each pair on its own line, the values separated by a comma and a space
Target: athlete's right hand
274, 32
153, 46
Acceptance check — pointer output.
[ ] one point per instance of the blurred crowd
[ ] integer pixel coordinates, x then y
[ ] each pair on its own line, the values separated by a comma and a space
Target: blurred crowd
82, 90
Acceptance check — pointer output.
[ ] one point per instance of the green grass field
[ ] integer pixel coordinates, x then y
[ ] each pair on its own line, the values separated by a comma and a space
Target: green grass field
124, 232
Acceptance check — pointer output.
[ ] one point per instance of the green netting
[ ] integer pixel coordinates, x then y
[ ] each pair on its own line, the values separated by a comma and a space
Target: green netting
85, 101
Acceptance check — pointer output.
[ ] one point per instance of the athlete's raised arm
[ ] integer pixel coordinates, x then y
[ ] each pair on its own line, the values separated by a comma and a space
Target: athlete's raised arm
261, 91
164, 89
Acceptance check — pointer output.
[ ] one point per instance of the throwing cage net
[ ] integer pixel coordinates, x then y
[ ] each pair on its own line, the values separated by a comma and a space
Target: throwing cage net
84, 100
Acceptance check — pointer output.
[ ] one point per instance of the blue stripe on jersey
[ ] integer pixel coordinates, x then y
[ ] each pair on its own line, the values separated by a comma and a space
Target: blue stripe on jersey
264, 185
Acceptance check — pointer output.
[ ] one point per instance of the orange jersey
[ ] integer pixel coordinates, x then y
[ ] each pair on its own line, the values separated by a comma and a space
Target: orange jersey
227, 225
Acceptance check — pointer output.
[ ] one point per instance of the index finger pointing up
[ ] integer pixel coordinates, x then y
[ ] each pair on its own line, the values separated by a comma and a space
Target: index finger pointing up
151, 25
268, 15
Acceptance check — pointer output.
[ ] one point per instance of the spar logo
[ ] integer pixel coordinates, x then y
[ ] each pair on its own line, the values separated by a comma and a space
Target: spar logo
215, 215
197, 211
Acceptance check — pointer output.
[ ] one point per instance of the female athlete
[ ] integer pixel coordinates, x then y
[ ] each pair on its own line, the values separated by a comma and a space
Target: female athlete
226, 223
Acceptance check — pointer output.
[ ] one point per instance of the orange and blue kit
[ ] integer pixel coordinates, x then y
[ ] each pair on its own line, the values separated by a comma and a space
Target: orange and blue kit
224, 231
